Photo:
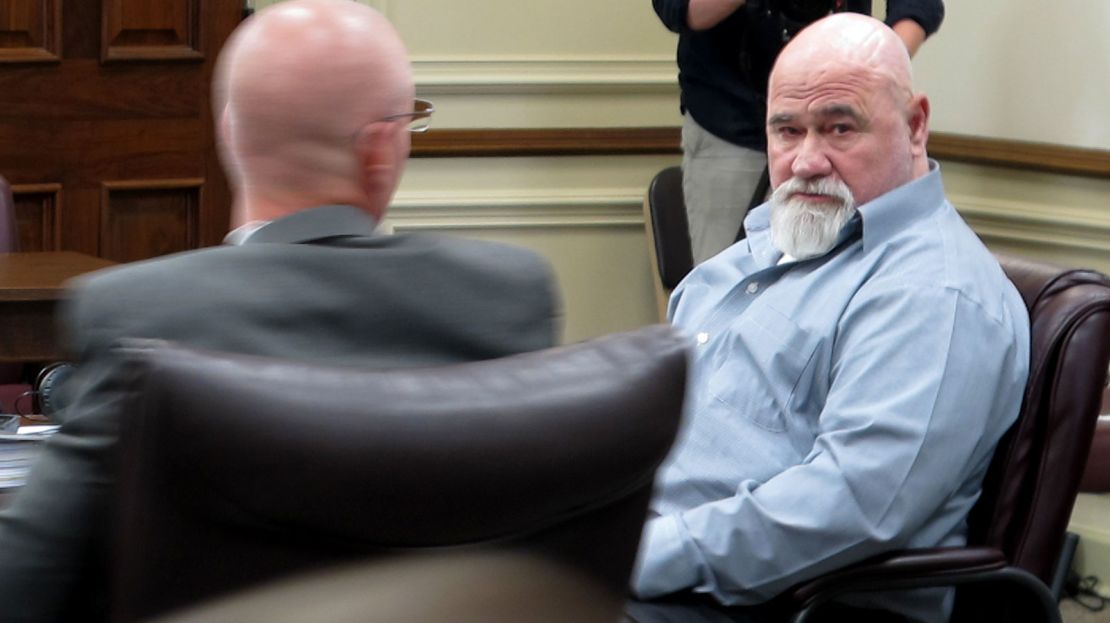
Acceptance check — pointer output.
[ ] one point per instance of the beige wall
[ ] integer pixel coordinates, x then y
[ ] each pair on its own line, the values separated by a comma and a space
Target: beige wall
583, 213
1022, 69
1057, 218
1031, 71
572, 63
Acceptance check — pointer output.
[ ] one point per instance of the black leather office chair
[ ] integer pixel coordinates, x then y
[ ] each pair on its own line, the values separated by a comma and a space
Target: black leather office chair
668, 234
11, 386
16, 394
9, 231
1018, 525
1096, 477
236, 470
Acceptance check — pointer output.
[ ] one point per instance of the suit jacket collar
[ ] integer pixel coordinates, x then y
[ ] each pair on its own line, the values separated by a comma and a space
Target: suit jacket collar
312, 225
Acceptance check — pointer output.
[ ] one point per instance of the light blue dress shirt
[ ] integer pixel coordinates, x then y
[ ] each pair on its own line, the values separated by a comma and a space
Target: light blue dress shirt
839, 407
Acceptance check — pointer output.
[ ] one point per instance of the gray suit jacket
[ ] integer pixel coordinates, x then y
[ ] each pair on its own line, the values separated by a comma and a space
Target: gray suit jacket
314, 287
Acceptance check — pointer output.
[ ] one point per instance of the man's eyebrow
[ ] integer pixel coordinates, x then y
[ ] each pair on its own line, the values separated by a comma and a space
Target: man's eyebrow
781, 118
841, 110
825, 112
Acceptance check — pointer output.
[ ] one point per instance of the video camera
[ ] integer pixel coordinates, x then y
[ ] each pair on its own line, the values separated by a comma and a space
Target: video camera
795, 15
770, 24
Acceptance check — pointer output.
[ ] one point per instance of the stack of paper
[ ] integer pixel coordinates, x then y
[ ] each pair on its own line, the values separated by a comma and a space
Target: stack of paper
18, 453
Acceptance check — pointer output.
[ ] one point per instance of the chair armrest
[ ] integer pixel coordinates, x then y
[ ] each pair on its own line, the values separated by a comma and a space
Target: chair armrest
937, 566
919, 568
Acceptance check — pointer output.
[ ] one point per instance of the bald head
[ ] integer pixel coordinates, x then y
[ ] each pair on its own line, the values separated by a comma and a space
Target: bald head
842, 111
300, 90
848, 41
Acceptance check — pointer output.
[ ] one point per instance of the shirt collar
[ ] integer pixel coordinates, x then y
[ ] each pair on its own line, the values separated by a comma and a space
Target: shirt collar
310, 225
758, 226
879, 218
886, 215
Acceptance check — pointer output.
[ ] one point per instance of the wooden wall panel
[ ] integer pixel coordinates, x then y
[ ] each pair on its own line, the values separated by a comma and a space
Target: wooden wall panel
141, 219
141, 30
502, 142
37, 219
30, 31
85, 90
84, 125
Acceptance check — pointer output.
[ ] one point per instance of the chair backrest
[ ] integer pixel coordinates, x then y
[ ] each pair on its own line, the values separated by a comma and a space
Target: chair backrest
235, 470
1096, 476
9, 231
1034, 477
10, 373
668, 230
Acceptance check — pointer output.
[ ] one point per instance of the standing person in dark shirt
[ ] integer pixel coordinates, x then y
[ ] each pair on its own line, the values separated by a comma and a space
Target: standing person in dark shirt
725, 52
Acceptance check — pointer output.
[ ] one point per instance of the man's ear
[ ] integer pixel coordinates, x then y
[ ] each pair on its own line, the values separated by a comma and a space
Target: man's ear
919, 123
376, 153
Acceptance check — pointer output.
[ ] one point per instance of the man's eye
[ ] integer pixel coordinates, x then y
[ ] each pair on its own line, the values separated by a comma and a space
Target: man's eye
841, 128
788, 132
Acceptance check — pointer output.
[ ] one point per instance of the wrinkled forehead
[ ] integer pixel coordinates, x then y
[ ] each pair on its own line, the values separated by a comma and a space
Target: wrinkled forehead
812, 88
869, 81
852, 52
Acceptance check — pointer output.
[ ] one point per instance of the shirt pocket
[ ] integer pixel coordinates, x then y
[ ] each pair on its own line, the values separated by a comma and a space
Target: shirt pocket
759, 368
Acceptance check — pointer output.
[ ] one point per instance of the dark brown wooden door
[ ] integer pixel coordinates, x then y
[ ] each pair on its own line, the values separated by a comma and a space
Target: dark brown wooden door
105, 127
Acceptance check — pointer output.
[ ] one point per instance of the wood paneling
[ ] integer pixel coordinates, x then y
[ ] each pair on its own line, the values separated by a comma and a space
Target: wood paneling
1020, 155
36, 216
144, 30
502, 142
31, 284
545, 142
85, 126
141, 219
83, 89
30, 31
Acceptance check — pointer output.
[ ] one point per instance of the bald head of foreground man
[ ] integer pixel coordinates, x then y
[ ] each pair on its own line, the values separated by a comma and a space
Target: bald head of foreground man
844, 127
312, 99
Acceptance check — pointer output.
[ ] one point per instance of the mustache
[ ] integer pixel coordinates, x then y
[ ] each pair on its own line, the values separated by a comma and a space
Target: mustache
825, 186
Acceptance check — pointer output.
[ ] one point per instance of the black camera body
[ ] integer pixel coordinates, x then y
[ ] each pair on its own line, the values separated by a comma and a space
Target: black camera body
797, 14
770, 24
804, 11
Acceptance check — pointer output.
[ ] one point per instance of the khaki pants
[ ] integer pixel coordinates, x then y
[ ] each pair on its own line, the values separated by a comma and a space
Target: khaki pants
718, 179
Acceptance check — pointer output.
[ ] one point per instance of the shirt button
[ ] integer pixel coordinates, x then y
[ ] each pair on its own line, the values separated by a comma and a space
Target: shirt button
703, 337
752, 288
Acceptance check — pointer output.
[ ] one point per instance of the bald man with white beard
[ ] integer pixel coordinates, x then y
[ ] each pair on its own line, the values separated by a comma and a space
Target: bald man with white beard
314, 100
856, 358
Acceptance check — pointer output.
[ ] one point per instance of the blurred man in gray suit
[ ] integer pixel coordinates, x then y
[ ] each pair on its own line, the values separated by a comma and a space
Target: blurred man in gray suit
315, 102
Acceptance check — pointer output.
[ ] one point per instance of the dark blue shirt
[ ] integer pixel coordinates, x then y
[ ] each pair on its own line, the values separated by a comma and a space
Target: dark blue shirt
723, 70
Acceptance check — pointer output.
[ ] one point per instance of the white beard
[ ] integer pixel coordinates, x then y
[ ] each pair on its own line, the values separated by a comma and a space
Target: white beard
803, 230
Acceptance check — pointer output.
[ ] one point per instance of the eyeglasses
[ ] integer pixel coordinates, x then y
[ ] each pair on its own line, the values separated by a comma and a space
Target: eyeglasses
420, 119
